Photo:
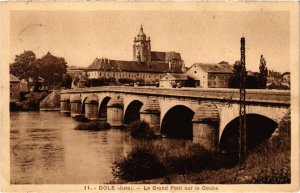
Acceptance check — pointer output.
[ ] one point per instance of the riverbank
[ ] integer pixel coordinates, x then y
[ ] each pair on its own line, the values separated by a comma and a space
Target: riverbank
51, 102
29, 101
268, 163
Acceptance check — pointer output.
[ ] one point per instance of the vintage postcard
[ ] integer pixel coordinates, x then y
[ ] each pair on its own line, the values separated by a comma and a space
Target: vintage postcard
149, 97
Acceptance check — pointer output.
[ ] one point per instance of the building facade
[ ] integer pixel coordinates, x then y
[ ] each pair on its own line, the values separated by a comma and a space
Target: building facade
173, 80
75, 71
210, 75
147, 65
14, 88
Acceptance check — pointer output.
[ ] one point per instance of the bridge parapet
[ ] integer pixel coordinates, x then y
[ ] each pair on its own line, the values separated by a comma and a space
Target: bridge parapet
224, 94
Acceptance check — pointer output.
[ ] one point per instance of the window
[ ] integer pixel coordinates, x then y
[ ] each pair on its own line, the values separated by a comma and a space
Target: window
195, 71
10, 94
10, 85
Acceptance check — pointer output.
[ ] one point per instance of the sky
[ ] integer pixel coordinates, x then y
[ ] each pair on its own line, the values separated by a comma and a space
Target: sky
199, 36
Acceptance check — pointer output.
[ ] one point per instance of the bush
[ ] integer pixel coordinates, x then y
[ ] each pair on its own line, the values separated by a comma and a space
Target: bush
140, 164
33, 99
141, 130
125, 80
184, 158
93, 126
267, 169
273, 175
103, 81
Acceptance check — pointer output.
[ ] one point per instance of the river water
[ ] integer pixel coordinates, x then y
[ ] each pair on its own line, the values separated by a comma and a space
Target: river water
46, 149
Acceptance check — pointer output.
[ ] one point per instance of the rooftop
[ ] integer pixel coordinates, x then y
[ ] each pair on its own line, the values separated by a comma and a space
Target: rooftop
176, 76
105, 64
214, 68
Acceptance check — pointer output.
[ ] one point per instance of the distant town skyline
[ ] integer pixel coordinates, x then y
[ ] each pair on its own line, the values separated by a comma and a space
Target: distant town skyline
200, 37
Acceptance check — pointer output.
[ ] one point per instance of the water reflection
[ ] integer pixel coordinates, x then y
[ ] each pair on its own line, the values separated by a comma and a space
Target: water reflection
45, 148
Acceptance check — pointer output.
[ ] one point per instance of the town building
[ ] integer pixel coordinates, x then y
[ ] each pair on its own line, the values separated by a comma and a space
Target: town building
14, 89
211, 75
147, 66
75, 71
175, 80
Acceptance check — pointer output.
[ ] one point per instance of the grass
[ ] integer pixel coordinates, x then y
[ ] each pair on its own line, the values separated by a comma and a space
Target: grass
152, 159
93, 126
268, 163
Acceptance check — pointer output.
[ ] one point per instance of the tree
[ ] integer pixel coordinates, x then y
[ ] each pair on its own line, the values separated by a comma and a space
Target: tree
51, 68
263, 73
235, 76
67, 80
23, 66
234, 80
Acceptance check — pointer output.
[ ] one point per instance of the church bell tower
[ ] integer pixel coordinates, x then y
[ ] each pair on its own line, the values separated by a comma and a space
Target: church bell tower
142, 47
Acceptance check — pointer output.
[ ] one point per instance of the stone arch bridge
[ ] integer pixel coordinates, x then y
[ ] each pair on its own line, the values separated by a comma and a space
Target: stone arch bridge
206, 116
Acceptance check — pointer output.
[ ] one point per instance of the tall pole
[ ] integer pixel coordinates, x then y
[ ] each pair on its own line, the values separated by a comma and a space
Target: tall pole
242, 117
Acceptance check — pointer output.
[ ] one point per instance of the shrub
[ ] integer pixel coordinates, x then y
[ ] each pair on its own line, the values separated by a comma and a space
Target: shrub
140, 164
273, 175
183, 158
267, 169
141, 130
125, 80
93, 126
33, 100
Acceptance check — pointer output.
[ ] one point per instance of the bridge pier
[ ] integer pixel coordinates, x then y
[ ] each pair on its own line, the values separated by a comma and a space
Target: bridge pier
206, 127
65, 106
115, 112
150, 112
91, 109
75, 106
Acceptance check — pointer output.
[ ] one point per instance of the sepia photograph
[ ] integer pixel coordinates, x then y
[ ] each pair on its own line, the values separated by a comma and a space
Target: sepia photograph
150, 97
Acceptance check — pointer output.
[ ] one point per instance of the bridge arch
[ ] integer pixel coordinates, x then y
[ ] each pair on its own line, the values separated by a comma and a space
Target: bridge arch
103, 108
132, 112
177, 122
259, 128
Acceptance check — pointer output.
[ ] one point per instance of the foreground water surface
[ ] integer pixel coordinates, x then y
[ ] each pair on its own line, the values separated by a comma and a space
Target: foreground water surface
45, 149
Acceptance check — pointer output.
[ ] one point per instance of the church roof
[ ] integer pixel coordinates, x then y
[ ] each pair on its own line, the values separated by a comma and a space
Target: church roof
165, 56
158, 56
131, 66
13, 78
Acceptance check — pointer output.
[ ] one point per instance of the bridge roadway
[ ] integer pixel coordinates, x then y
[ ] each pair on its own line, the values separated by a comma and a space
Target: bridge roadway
252, 95
207, 116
